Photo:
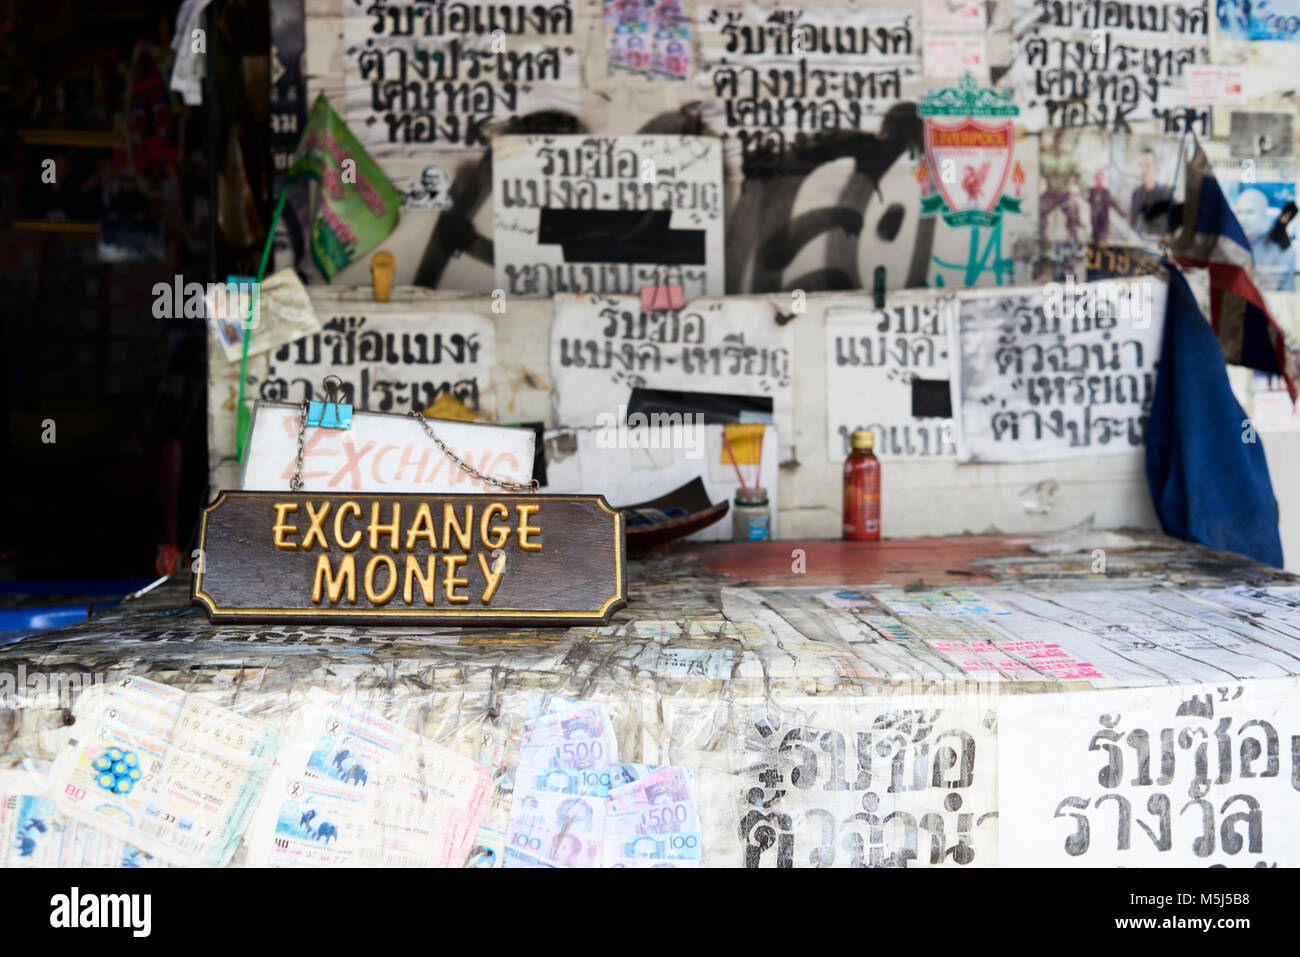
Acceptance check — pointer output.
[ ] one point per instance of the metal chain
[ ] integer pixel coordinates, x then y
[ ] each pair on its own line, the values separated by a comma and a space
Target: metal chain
532, 485
295, 483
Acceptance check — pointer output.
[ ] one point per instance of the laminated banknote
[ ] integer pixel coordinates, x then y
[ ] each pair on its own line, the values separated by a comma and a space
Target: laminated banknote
577, 737
576, 806
561, 785
652, 819
558, 829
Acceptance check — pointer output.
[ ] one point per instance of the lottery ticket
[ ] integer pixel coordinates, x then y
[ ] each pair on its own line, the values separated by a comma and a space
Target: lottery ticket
489, 844
345, 743
34, 834
315, 824
356, 789
169, 773
438, 799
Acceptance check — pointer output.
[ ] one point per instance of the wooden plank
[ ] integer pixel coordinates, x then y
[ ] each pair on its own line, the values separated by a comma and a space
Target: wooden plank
398, 559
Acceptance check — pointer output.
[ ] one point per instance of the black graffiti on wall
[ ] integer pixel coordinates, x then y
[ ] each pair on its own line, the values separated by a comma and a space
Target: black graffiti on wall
765, 234
765, 231
455, 233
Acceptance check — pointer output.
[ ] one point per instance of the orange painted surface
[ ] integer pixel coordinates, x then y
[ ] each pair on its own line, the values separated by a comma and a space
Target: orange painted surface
938, 561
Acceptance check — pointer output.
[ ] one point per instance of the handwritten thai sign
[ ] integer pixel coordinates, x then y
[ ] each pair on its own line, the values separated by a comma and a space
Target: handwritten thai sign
388, 361
1173, 777
887, 370
381, 453
602, 213
1060, 371
389, 559
1109, 63
804, 69
888, 782
432, 74
604, 346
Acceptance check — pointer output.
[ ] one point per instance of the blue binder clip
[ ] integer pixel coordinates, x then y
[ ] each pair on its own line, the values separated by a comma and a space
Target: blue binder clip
331, 413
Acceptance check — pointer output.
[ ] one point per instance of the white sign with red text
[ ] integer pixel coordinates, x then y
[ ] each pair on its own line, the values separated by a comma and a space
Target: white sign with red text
381, 452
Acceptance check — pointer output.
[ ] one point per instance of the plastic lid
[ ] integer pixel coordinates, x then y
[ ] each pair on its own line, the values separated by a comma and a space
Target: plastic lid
751, 496
863, 439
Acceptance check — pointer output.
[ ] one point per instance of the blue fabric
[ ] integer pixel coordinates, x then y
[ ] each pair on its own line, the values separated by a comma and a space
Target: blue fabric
1215, 217
1258, 350
1207, 484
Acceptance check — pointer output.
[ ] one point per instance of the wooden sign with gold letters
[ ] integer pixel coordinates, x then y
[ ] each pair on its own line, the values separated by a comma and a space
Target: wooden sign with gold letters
411, 559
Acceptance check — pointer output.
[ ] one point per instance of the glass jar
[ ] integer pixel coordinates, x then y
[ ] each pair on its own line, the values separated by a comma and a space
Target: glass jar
751, 516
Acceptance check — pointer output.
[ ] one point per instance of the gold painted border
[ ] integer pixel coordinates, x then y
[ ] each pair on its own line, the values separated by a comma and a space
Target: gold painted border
198, 595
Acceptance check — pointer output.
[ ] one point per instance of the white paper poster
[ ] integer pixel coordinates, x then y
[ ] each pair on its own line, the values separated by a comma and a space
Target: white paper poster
888, 370
421, 75
1083, 63
1216, 84
954, 54
804, 69
1185, 776
389, 361
952, 14
604, 346
1060, 371
603, 214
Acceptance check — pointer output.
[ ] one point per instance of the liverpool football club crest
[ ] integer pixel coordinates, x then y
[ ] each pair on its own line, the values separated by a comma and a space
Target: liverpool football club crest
979, 157
970, 175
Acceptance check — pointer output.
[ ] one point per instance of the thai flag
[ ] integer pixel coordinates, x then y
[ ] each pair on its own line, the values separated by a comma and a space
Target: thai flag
1210, 237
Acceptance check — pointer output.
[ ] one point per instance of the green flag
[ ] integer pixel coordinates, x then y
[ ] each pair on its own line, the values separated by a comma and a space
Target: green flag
358, 206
